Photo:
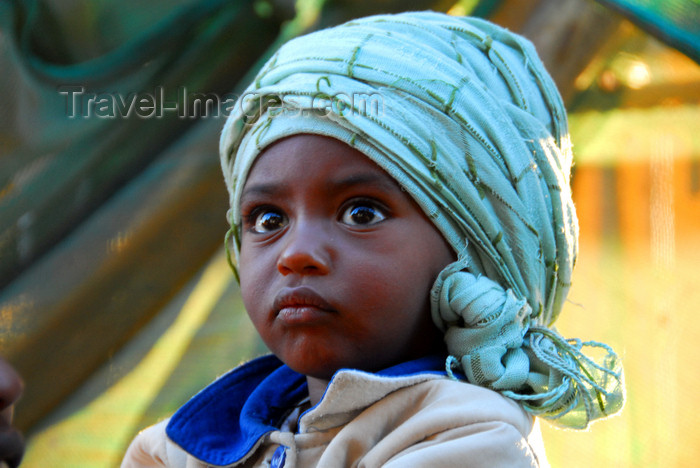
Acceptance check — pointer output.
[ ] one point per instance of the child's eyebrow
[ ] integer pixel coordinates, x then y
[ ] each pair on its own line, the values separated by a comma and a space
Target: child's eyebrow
375, 180
278, 189
269, 189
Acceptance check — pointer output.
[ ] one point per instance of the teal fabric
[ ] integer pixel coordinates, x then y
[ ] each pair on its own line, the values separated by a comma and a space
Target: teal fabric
463, 115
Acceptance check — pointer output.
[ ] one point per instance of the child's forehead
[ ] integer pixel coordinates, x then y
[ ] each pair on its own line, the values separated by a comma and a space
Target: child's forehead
325, 164
307, 151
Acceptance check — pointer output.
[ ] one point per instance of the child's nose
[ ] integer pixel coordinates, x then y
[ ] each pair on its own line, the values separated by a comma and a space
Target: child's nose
305, 251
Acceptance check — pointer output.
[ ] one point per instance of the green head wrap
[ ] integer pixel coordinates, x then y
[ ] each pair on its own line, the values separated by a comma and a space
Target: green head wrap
463, 115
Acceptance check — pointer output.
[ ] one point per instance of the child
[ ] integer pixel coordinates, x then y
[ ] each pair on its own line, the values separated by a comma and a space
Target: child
384, 174
11, 442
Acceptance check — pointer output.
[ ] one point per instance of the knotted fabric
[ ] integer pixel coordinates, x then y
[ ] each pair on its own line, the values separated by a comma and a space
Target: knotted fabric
463, 115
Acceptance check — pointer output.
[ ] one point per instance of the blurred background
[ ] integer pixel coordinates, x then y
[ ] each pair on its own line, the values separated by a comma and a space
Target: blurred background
116, 302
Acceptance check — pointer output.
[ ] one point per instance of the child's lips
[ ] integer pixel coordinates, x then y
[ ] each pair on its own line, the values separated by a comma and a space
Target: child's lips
301, 305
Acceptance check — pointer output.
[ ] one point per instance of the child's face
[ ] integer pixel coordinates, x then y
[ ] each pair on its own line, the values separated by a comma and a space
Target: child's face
336, 262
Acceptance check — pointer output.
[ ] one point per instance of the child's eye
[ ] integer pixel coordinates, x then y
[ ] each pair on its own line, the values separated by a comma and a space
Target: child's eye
267, 220
362, 213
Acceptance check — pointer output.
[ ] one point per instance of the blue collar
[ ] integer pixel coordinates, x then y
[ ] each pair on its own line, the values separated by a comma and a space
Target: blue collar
223, 422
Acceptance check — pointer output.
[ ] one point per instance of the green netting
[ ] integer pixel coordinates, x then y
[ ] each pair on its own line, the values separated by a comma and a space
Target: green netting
676, 22
62, 155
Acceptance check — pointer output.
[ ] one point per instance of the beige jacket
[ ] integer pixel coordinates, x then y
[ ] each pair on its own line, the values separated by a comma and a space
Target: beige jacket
367, 420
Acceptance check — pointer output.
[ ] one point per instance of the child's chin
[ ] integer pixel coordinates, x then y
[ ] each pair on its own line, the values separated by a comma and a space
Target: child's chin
322, 369
321, 372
